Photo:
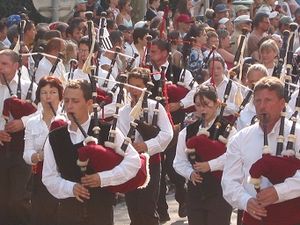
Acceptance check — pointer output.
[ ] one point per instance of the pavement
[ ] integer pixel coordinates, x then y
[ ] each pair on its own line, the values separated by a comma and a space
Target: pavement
121, 215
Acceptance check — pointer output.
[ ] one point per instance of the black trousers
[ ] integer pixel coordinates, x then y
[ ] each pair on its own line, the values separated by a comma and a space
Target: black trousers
175, 178
14, 196
142, 203
44, 205
94, 211
213, 210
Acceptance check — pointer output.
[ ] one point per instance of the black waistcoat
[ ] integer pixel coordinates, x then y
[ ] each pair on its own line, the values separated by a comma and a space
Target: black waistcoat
65, 154
210, 186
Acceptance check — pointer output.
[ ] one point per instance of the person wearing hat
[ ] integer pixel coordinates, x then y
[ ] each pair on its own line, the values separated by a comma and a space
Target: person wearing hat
241, 23
221, 11
228, 25
184, 22
241, 10
284, 24
274, 22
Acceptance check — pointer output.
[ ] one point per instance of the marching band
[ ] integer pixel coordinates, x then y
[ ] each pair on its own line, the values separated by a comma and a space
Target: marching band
120, 121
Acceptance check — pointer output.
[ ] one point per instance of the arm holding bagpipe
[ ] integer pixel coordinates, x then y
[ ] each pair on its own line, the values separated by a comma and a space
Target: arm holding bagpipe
111, 168
182, 162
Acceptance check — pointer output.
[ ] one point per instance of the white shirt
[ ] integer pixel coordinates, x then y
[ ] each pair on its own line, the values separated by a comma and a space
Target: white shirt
4, 94
131, 50
44, 69
165, 135
231, 107
246, 115
181, 163
62, 188
106, 61
244, 149
36, 133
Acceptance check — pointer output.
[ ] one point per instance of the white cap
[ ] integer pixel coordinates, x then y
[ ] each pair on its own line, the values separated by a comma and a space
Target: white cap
223, 20
140, 24
273, 14
242, 19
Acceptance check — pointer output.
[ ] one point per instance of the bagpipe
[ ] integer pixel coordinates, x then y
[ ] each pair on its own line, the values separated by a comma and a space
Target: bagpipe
101, 158
205, 145
100, 95
277, 169
14, 106
177, 91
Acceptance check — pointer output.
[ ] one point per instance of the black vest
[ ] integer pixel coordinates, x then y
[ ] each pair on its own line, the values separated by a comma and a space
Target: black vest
65, 154
179, 115
210, 186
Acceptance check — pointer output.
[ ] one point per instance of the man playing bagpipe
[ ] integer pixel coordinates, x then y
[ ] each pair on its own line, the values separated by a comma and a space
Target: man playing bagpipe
14, 173
182, 84
200, 158
142, 203
245, 150
83, 200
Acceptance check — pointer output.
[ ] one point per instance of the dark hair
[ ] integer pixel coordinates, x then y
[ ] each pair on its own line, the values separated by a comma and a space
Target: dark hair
85, 41
195, 31
28, 26
53, 82
51, 34
259, 17
139, 33
3, 25
140, 73
272, 84
83, 85
12, 33
216, 59
122, 4
181, 7
115, 37
161, 44
54, 44
208, 91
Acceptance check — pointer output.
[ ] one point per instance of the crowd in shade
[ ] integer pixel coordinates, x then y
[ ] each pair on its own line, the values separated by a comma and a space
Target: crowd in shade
202, 95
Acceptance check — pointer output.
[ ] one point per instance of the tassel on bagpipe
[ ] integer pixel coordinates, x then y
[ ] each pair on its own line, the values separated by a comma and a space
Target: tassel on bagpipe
276, 169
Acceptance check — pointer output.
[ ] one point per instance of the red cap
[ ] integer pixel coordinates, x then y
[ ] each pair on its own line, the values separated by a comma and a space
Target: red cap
184, 18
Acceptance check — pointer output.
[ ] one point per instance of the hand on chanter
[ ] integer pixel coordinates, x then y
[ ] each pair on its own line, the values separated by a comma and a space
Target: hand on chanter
201, 167
92, 180
196, 178
4, 136
80, 192
267, 196
255, 209
14, 126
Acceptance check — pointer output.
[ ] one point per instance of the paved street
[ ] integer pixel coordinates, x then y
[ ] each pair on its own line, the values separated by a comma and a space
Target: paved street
121, 215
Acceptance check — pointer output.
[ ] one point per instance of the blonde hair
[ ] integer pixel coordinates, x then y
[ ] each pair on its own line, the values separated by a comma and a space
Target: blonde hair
258, 67
269, 44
